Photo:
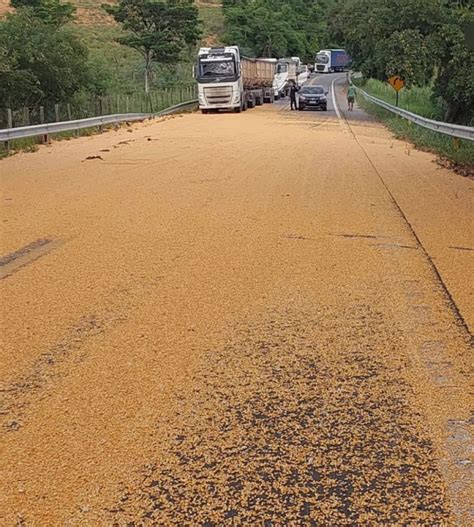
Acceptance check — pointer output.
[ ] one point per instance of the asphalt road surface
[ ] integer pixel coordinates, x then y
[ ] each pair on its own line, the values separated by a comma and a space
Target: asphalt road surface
236, 320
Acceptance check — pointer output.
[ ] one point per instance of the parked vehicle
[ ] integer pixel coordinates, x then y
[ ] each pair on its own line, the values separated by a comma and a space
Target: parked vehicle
303, 74
312, 97
331, 60
229, 81
286, 71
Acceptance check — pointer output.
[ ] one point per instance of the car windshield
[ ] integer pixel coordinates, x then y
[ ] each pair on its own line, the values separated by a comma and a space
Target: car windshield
215, 68
313, 90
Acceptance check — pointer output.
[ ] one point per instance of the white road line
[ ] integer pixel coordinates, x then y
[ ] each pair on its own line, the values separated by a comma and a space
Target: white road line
334, 102
346, 129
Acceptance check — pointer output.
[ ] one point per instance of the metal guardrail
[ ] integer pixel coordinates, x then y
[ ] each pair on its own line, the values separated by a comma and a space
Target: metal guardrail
453, 130
9, 134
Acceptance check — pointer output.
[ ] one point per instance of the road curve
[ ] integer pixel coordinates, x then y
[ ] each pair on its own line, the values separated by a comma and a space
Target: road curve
255, 319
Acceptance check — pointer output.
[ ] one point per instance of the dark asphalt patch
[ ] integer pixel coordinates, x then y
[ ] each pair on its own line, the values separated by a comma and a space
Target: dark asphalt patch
301, 419
13, 262
16, 397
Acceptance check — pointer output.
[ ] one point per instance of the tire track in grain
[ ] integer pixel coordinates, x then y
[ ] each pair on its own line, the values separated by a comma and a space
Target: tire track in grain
302, 418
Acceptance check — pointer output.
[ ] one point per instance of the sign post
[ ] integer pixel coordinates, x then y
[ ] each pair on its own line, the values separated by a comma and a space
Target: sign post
397, 84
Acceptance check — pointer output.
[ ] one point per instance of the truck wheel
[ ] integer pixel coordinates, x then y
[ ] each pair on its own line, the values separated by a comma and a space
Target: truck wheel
277, 97
238, 109
204, 111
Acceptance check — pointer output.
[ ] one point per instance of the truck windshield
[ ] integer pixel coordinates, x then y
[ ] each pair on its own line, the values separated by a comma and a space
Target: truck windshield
214, 68
322, 58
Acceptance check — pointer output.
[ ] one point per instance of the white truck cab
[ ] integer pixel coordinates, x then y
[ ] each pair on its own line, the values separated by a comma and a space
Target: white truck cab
218, 73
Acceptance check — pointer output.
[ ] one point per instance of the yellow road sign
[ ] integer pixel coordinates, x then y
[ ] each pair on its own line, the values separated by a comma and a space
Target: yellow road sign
397, 82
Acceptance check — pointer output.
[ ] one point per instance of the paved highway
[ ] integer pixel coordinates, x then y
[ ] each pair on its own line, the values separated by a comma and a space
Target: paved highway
255, 319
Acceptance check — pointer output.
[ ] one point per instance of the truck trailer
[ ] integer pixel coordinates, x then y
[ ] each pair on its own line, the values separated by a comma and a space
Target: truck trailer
331, 60
228, 81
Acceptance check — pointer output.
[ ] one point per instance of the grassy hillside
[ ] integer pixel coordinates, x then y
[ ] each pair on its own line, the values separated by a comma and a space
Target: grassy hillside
125, 66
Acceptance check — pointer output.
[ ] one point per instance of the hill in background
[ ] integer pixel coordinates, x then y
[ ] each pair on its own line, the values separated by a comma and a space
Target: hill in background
99, 31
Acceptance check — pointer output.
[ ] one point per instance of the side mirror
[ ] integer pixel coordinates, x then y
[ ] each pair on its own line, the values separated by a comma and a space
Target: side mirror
326, 93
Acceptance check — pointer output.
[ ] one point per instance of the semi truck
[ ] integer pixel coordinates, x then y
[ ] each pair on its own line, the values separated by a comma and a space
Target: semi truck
229, 81
287, 70
331, 60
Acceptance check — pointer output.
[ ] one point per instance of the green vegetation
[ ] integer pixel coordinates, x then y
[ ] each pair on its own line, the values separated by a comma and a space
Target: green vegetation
211, 19
417, 100
158, 30
43, 60
277, 28
50, 53
422, 41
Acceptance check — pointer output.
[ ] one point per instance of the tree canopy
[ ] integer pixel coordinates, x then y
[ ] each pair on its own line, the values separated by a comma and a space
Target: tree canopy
277, 28
422, 41
50, 11
40, 60
158, 29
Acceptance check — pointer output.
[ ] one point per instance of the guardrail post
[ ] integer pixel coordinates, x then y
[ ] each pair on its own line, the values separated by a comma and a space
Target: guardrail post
6, 144
44, 137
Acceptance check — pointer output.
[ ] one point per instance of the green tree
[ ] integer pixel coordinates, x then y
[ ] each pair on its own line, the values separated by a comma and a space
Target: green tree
277, 28
40, 62
158, 29
454, 82
421, 40
52, 12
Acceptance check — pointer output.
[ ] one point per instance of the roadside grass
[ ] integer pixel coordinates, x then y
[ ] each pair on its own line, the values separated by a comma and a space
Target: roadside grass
212, 24
415, 99
457, 153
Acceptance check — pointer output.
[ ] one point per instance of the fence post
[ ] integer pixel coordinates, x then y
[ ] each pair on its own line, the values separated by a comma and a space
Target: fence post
27, 116
127, 104
69, 114
56, 112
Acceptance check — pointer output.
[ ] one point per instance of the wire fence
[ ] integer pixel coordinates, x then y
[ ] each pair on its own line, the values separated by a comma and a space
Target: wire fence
83, 107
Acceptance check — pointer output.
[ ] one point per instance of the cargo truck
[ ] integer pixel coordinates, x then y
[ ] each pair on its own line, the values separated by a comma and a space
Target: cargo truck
228, 81
286, 71
331, 60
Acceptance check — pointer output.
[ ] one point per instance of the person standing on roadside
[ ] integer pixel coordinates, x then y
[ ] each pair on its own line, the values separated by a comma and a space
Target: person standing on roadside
293, 91
351, 93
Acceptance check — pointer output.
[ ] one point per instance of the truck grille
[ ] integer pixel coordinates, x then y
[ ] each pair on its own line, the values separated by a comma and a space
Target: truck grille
218, 94
320, 67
